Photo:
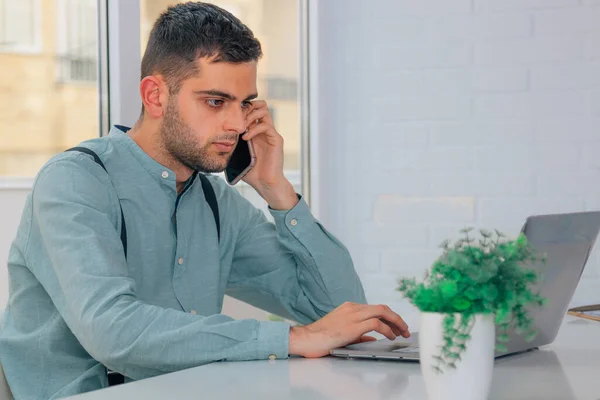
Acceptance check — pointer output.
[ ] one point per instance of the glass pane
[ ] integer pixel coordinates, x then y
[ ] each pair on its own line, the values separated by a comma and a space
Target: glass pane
48, 99
19, 20
275, 24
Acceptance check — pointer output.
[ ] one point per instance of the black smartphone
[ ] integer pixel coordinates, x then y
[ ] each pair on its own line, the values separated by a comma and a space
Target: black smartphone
242, 161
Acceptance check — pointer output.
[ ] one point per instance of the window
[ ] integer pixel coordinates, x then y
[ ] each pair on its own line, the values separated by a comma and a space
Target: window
39, 118
76, 45
20, 26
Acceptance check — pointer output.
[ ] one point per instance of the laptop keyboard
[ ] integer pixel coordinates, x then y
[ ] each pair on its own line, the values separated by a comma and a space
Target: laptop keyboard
409, 349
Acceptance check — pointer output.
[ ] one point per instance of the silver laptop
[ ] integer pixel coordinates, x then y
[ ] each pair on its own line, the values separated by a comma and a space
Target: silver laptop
566, 240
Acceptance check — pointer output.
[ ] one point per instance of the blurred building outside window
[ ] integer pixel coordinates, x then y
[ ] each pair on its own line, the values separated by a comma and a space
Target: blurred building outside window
77, 45
48, 85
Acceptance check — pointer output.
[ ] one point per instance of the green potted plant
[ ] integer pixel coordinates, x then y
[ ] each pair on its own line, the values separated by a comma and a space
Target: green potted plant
474, 286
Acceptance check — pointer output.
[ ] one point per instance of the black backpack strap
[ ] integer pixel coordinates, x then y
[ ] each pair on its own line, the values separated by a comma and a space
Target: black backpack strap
211, 199
99, 162
114, 378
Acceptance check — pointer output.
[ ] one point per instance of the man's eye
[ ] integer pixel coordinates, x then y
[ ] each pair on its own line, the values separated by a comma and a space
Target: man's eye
214, 103
246, 105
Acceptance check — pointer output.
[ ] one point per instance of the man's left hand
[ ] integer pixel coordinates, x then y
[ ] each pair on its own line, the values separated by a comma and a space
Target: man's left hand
267, 175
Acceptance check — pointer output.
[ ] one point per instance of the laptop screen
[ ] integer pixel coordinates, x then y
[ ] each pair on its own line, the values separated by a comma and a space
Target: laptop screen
566, 240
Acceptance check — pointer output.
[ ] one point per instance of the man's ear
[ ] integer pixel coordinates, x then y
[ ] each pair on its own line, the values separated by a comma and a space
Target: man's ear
154, 93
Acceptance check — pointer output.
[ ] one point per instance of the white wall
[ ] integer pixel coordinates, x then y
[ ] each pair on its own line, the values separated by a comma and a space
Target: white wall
437, 114
11, 204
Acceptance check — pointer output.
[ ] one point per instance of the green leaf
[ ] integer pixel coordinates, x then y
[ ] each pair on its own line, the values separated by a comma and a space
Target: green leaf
448, 289
472, 293
461, 304
490, 292
463, 337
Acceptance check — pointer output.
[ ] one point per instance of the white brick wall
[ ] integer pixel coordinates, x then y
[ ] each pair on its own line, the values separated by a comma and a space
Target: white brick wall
524, 5
575, 19
416, 8
552, 49
596, 103
500, 79
409, 54
579, 76
437, 114
592, 46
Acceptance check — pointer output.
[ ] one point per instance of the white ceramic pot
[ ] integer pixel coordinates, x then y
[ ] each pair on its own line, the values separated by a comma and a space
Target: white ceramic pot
472, 378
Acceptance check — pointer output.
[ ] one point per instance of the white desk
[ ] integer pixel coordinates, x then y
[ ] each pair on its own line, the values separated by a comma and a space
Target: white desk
567, 369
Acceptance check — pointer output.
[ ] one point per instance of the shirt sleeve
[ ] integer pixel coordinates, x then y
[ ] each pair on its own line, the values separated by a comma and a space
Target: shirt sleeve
75, 252
293, 267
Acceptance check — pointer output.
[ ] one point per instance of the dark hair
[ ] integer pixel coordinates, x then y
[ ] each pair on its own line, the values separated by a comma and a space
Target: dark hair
188, 31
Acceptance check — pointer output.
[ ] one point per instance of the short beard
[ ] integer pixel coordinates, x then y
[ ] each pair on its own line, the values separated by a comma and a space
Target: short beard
181, 144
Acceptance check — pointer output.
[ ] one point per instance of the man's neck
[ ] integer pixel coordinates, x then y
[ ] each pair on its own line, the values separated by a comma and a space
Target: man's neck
148, 139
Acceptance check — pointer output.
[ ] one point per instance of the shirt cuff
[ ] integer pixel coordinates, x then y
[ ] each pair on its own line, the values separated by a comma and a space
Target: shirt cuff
274, 339
297, 219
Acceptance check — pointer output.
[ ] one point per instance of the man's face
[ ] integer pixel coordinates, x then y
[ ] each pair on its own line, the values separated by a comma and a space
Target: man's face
203, 121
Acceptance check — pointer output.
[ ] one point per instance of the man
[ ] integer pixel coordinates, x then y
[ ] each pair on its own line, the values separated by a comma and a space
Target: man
84, 299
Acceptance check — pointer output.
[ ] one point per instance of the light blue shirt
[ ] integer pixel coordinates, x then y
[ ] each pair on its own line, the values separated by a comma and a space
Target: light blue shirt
77, 306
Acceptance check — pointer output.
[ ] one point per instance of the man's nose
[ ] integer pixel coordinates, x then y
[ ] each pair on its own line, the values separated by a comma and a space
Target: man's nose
236, 121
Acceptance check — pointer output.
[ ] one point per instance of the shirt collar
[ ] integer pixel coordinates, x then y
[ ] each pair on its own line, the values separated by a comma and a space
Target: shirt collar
159, 172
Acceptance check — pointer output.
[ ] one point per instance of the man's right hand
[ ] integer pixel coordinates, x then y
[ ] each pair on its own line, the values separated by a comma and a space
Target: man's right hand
343, 326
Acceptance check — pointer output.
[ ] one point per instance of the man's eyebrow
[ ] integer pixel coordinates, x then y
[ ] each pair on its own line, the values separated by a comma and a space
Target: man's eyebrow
218, 93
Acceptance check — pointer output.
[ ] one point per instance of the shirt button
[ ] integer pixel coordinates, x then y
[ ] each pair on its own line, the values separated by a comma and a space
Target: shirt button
180, 261
272, 357
165, 174
193, 312
294, 222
